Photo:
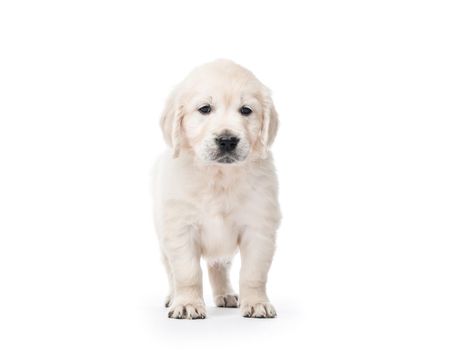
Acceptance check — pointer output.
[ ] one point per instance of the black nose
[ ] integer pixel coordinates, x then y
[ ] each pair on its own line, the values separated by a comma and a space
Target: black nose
226, 143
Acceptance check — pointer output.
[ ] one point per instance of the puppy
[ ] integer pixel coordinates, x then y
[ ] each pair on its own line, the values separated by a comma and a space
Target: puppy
216, 189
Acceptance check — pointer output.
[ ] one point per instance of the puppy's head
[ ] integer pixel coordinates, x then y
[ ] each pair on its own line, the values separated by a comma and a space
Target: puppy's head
221, 113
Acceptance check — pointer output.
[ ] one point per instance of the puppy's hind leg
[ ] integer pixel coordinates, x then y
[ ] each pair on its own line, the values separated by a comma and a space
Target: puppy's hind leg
168, 269
223, 293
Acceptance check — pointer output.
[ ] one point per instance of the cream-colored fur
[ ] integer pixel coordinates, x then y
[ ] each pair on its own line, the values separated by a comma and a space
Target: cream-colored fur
208, 209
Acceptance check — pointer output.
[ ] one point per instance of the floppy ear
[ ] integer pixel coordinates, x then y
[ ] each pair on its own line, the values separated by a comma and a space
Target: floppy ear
170, 123
270, 123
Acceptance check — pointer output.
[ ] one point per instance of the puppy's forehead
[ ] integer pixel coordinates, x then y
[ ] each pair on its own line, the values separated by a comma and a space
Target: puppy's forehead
219, 74
223, 90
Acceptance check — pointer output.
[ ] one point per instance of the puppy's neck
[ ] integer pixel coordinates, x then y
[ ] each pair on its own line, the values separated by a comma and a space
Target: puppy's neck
224, 174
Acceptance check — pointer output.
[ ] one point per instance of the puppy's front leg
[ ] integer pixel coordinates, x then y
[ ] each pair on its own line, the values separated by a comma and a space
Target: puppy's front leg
257, 251
184, 258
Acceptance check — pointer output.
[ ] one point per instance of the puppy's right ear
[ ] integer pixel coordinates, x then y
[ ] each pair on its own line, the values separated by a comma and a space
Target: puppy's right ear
170, 123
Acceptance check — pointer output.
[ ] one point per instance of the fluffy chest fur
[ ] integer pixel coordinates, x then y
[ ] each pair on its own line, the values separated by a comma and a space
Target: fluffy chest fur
222, 199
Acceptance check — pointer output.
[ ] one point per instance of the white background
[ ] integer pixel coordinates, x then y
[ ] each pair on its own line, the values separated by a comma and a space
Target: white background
369, 156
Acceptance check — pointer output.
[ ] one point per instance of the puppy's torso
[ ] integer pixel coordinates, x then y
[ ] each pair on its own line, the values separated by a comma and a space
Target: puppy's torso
212, 205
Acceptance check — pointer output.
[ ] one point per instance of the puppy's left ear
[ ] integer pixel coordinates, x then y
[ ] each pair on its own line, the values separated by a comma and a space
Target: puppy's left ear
270, 123
170, 123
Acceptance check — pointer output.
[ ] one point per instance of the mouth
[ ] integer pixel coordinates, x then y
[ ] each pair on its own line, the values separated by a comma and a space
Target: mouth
227, 159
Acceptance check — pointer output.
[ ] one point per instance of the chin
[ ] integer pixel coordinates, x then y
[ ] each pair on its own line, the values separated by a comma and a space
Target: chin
226, 160
229, 159
214, 157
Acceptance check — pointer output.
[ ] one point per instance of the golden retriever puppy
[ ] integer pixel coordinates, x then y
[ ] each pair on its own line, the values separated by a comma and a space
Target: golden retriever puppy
216, 190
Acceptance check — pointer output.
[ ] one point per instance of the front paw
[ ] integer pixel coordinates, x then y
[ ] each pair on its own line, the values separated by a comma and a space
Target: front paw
190, 311
258, 310
228, 300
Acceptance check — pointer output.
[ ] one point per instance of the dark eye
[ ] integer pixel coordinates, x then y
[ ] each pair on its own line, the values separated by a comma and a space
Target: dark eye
205, 109
245, 110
